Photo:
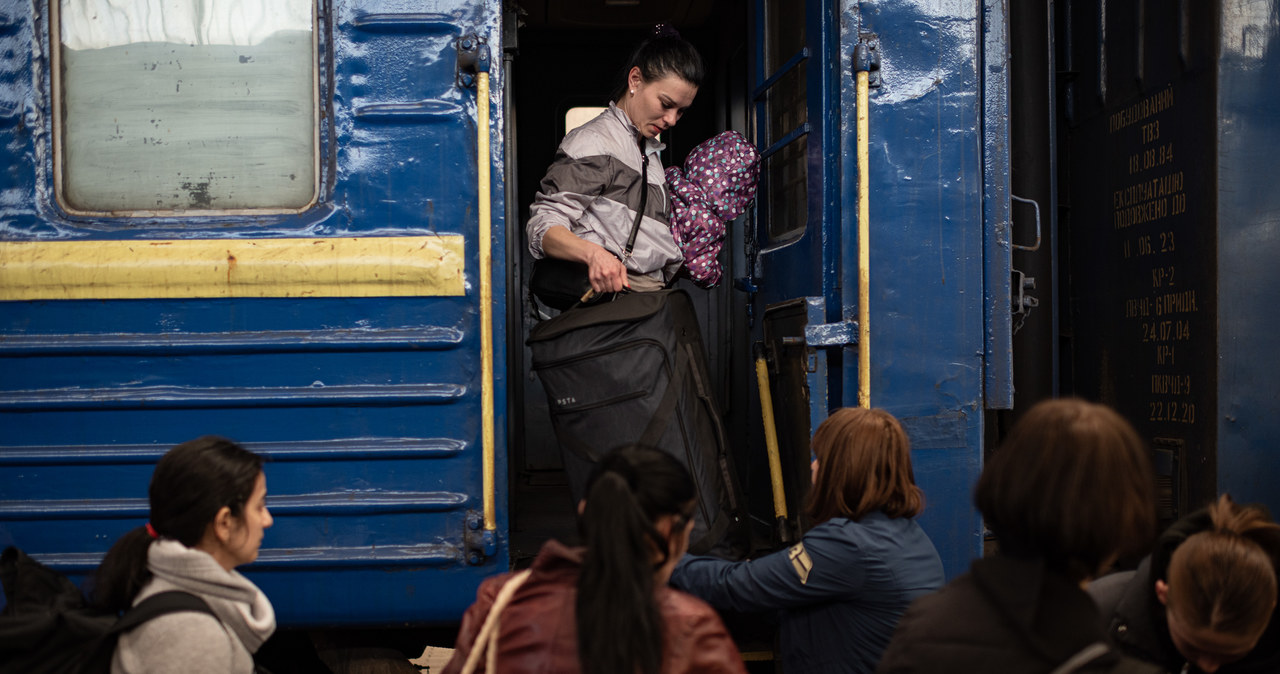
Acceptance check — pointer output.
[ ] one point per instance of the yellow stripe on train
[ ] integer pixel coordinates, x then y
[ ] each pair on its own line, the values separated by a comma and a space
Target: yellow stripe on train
334, 267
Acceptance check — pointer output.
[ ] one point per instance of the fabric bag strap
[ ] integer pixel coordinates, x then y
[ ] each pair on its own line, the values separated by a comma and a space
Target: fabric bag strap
644, 200
157, 605
487, 640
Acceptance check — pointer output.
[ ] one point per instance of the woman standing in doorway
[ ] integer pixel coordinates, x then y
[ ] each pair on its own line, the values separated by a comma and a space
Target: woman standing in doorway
592, 195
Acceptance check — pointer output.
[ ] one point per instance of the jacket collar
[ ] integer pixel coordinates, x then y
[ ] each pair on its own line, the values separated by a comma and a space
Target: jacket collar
1055, 616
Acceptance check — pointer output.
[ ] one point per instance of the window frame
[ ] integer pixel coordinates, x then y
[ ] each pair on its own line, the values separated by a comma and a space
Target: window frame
58, 120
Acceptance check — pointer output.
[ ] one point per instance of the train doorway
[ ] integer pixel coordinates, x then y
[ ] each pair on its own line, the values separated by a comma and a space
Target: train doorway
565, 59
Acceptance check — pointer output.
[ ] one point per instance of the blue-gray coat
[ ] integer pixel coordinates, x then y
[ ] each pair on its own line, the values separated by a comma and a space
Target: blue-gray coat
839, 592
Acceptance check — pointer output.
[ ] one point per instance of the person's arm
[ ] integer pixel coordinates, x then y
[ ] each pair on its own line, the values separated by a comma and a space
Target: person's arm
606, 272
821, 568
568, 189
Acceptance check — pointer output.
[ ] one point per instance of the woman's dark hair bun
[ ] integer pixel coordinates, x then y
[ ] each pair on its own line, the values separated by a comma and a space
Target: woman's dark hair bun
665, 30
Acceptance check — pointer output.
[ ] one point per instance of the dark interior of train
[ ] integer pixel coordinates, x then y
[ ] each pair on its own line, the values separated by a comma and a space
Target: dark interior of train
570, 54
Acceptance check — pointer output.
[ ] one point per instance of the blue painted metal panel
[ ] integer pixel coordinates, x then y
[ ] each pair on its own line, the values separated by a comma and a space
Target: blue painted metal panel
369, 409
1248, 246
997, 220
927, 246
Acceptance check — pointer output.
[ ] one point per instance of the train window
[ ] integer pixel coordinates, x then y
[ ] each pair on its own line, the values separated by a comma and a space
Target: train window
784, 32
788, 190
576, 117
786, 112
182, 107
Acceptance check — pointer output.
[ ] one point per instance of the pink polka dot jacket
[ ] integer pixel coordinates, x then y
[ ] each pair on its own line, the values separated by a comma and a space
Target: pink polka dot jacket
715, 186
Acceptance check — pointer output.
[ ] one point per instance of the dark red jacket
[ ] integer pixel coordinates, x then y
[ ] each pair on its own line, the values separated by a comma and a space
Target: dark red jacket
538, 632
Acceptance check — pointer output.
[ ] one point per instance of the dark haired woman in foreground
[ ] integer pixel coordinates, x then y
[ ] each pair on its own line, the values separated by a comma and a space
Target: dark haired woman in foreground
1205, 600
208, 513
841, 590
1068, 491
606, 608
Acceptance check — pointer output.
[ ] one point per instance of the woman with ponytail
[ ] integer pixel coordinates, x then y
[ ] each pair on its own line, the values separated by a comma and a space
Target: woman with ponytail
1205, 599
208, 513
604, 608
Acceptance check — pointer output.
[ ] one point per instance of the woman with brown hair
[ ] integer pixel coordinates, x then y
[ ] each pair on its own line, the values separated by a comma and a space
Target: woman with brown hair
1067, 492
1205, 600
840, 591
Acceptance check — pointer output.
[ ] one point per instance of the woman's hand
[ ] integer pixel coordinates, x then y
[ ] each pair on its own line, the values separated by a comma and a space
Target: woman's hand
606, 273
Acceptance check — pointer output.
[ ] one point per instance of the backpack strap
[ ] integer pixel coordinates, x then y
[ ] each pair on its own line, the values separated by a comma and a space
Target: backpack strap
173, 601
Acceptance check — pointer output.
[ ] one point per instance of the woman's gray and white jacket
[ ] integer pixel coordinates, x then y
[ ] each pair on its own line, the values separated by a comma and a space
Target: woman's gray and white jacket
593, 190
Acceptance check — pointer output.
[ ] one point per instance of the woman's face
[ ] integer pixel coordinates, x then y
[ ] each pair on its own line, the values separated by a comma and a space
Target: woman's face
656, 106
247, 539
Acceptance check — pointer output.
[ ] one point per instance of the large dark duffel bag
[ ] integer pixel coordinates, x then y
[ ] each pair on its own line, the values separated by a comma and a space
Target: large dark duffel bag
633, 371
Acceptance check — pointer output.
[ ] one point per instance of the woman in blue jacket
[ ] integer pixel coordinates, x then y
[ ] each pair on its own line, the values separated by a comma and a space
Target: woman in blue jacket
840, 591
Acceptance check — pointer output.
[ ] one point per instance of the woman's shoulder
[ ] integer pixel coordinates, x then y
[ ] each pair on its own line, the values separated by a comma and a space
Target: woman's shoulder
601, 135
174, 641
875, 526
681, 607
956, 611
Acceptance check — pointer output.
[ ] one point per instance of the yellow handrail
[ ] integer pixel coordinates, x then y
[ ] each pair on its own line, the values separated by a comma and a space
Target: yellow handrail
486, 301
771, 438
864, 246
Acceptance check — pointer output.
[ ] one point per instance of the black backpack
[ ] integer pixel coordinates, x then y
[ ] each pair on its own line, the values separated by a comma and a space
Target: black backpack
46, 625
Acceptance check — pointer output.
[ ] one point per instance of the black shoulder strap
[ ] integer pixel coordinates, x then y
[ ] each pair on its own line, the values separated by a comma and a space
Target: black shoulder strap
644, 200
157, 605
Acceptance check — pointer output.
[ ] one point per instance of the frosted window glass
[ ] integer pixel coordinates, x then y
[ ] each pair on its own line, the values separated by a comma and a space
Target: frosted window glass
173, 105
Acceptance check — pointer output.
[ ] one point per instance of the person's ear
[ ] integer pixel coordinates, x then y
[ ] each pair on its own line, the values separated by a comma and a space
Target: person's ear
223, 524
634, 79
582, 507
1162, 592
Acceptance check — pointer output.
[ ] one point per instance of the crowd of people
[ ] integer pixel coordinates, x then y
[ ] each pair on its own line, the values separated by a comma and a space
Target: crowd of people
1066, 494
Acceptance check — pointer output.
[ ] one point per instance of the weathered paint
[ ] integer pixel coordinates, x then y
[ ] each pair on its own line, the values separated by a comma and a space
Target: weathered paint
1248, 246
927, 245
145, 269
369, 406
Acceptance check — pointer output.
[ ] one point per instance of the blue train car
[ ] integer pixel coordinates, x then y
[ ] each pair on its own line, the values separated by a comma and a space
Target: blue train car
299, 224
263, 221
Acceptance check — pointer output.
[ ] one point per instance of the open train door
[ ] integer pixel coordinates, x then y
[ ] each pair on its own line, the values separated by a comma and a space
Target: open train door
268, 221
793, 244
936, 294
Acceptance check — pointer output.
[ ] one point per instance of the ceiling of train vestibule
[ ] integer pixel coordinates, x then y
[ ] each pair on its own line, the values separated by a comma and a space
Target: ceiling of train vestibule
614, 13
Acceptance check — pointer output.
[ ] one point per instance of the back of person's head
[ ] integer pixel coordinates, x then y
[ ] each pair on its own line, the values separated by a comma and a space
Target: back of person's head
1224, 579
619, 628
1072, 484
190, 484
864, 465
664, 54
